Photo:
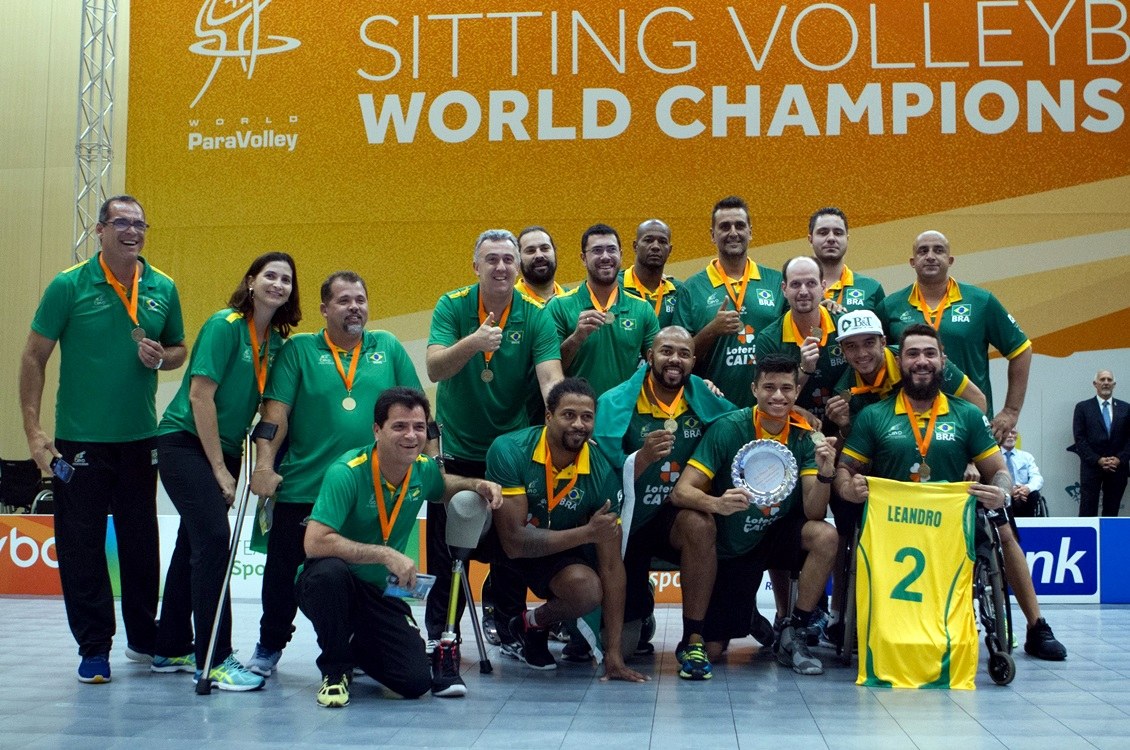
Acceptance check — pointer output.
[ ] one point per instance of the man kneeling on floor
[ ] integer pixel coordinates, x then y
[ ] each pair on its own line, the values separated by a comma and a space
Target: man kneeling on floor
751, 539
355, 542
560, 527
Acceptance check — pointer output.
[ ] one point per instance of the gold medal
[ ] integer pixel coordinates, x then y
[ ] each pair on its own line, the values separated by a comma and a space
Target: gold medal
670, 425
609, 317
845, 395
486, 375
924, 472
348, 403
137, 334
818, 437
817, 332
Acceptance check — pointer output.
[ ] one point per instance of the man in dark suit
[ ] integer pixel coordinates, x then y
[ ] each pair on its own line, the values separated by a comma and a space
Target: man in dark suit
1102, 440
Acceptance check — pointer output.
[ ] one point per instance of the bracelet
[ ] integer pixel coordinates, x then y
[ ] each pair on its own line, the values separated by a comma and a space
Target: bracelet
825, 480
160, 362
806, 372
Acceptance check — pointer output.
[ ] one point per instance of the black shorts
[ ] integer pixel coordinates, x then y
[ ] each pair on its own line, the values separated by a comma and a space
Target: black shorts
653, 539
733, 601
537, 572
848, 515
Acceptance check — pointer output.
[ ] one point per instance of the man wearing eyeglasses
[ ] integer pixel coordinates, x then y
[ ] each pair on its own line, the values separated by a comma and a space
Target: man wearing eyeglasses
117, 320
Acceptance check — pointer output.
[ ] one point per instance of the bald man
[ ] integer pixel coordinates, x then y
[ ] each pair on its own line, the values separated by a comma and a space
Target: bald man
645, 279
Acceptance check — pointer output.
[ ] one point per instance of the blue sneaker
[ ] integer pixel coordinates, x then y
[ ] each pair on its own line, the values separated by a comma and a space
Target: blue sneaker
231, 675
693, 664
94, 669
264, 661
169, 664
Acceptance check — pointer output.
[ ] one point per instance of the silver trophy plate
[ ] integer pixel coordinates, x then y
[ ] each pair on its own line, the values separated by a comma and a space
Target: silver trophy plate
767, 470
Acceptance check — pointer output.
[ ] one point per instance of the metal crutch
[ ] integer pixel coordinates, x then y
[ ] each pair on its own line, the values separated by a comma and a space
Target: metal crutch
204, 684
466, 522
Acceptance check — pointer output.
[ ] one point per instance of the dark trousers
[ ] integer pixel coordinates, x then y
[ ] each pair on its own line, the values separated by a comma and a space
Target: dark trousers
1111, 484
199, 564
357, 625
284, 554
117, 478
507, 590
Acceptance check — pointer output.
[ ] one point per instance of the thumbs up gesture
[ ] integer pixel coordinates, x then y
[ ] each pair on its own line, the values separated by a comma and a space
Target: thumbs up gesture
488, 336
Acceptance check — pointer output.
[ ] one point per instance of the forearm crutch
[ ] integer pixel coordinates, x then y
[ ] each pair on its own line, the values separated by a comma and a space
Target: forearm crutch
204, 684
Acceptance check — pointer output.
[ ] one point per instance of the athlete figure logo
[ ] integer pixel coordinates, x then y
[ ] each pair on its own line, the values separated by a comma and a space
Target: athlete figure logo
247, 38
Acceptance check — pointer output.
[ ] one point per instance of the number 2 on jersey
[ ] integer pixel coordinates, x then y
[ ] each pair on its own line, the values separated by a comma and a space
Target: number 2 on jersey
902, 588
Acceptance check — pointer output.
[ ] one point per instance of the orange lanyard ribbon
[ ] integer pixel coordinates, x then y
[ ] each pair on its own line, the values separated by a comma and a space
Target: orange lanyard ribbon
842, 283
667, 409
611, 300
933, 315
260, 363
355, 355
387, 522
501, 323
923, 442
761, 433
873, 387
738, 297
796, 331
553, 498
659, 292
130, 301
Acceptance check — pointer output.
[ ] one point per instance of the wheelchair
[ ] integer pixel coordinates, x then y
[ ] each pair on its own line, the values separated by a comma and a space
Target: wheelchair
23, 489
989, 591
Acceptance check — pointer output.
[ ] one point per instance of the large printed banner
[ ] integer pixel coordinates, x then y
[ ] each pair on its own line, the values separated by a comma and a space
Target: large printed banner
386, 136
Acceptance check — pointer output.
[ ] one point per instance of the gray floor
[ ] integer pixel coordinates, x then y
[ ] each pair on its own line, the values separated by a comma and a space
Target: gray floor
750, 703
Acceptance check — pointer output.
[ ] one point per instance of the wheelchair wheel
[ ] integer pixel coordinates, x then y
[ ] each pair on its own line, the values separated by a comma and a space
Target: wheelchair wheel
1002, 668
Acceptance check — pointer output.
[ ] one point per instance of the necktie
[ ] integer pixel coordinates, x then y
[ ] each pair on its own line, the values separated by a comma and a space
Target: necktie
1106, 416
1011, 466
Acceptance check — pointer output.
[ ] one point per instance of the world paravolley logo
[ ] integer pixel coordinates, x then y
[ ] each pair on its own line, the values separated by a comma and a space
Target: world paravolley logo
234, 32
233, 29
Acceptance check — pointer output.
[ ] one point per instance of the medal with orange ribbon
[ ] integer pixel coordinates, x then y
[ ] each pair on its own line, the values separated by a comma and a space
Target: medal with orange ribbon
348, 403
129, 300
736, 296
670, 424
923, 441
487, 375
388, 520
609, 316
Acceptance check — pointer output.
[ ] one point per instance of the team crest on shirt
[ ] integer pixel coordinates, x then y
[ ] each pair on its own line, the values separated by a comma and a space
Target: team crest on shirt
377, 358
854, 297
765, 298
325, 359
101, 301
960, 313
515, 337
152, 305
246, 357
945, 433
573, 500
628, 324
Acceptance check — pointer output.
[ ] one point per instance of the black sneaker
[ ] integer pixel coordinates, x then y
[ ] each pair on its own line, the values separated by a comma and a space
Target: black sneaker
446, 682
762, 630
1042, 644
534, 644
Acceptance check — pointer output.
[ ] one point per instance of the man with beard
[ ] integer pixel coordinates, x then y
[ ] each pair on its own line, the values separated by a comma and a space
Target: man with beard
725, 305
968, 320
645, 279
880, 445
805, 333
604, 332
484, 340
320, 393
751, 539
538, 265
666, 410
559, 512
828, 235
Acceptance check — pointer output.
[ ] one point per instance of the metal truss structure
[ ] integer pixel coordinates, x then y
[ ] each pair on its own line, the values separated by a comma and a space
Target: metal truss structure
94, 137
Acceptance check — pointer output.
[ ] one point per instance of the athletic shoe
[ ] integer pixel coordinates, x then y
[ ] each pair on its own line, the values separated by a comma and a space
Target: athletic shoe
94, 669
559, 631
264, 661
693, 662
761, 629
647, 631
1042, 644
446, 682
233, 676
793, 651
577, 652
779, 624
169, 664
818, 630
490, 626
136, 654
430, 646
334, 692
534, 644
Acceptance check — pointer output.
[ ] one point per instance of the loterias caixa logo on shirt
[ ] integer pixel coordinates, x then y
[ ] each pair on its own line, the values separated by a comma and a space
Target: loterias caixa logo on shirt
229, 31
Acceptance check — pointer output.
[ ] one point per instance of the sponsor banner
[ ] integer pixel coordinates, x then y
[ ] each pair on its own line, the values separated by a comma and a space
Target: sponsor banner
1063, 555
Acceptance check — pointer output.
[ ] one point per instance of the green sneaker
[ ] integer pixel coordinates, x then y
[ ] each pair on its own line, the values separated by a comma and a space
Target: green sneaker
693, 664
169, 664
334, 692
233, 676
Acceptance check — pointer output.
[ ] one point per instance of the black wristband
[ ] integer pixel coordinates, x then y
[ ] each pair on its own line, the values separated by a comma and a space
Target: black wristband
264, 431
825, 480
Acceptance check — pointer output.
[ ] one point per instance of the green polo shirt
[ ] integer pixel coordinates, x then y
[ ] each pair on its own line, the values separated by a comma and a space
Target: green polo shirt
348, 505
222, 353
611, 354
954, 382
474, 413
741, 532
517, 462
106, 395
856, 292
731, 360
654, 485
305, 379
972, 320
778, 338
667, 291
881, 436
